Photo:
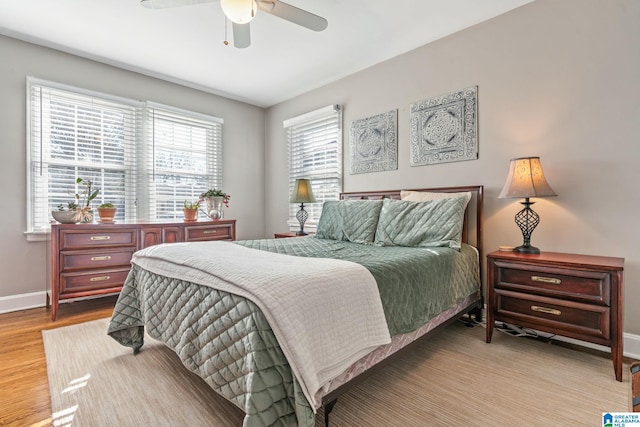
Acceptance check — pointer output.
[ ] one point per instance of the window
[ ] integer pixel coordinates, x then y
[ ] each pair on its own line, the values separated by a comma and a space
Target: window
315, 152
145, 158
186, 159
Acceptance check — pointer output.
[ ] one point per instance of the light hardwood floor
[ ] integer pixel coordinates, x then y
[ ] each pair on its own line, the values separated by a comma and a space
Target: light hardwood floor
24, 389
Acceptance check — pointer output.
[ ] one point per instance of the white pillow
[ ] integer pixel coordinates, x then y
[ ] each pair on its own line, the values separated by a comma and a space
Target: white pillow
425, 196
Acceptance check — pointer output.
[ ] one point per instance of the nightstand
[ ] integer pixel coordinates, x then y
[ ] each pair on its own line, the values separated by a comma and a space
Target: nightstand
289, 234
576, 296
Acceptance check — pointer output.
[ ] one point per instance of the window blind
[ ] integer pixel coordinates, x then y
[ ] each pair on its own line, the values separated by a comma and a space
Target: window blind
78, 134
183, 159
315, 152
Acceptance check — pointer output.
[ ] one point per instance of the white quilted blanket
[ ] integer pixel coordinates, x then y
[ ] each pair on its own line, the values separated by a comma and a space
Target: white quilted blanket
326, 313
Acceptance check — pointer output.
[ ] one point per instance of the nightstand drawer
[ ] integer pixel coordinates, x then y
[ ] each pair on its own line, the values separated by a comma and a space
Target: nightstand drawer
585, 286
577, 320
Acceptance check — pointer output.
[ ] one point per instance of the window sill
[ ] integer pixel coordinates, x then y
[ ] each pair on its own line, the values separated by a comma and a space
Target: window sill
37, 236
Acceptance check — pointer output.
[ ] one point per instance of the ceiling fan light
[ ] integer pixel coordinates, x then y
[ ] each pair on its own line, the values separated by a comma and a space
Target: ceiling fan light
239, 11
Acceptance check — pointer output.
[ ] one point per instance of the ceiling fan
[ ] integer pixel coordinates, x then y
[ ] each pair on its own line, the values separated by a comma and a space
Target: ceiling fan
241, 12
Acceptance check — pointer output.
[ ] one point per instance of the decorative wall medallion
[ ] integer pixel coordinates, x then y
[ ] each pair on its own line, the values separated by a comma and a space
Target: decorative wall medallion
445, 128
374, 143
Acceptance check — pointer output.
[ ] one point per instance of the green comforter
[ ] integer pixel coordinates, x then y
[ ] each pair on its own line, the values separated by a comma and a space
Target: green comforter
415, 283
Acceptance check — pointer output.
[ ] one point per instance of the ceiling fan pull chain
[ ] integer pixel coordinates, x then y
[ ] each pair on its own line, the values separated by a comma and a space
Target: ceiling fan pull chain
226, 41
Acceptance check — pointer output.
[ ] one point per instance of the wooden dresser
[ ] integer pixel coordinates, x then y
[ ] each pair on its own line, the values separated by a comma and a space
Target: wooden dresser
94, 259
576, 296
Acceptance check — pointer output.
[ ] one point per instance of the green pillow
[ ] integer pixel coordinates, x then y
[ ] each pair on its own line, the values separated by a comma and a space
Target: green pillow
351, 220
430, 223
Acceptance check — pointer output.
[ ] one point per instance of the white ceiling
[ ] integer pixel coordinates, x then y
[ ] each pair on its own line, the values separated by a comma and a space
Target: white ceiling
185, 44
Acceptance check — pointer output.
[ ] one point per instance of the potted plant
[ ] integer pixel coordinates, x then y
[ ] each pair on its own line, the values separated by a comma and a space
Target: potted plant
215, 199
79, 210
190, 210
106, 212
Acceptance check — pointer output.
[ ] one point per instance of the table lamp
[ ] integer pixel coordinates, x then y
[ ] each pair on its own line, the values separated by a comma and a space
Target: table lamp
526, 179
302, 193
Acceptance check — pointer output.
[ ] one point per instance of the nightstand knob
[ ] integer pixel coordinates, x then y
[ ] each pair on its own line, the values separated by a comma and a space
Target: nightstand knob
546, 279
546, 310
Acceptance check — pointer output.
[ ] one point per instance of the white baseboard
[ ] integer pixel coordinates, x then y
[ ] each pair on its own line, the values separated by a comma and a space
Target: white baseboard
630, 343
23, 301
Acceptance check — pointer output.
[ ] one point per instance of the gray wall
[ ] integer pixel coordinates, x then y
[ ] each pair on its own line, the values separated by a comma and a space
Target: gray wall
556, 79
22, 263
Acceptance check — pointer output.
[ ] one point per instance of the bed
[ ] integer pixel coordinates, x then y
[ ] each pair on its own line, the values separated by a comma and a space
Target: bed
271, 324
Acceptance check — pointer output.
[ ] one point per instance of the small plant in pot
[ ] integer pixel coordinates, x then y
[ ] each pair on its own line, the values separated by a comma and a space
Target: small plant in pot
80, 209
106, 212
190, 210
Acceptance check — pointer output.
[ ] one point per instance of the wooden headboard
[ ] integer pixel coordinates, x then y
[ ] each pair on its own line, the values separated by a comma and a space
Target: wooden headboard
472, 229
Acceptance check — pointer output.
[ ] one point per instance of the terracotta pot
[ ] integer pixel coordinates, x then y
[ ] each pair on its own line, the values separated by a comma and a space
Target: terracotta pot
190, 215
107, 214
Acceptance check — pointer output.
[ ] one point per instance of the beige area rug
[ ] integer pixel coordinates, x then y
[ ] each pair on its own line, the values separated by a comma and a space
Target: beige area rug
454, 379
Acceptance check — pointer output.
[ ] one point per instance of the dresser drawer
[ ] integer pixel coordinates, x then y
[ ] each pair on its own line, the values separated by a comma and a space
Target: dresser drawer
585, 286
91, 281
72, 239
75, 260
209, 232
574, 319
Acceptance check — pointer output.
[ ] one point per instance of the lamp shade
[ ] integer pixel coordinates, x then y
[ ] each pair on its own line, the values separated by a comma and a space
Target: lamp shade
239, 11
302, 192
526, 179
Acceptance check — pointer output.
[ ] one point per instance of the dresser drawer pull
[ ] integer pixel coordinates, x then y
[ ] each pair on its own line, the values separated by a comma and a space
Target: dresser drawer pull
546, 279
546, 310
210, 232
99, 278
100, 258
100, 237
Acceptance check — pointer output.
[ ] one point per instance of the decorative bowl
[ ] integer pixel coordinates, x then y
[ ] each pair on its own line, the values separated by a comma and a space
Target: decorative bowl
65, 217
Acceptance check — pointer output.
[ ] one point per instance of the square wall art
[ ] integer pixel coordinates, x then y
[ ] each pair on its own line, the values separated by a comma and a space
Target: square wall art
374, 143
445, 128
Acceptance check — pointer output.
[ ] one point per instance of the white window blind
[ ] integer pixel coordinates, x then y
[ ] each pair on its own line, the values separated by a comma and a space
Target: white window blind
146, 159
71, 135
315, 152
184, 158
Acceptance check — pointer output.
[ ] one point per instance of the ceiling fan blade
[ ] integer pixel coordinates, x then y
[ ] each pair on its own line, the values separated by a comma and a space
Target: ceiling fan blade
163, 4
241, 35
293, 14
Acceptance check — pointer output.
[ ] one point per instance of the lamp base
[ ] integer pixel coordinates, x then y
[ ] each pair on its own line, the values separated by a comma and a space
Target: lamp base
527, 219
302, 216
527, 249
